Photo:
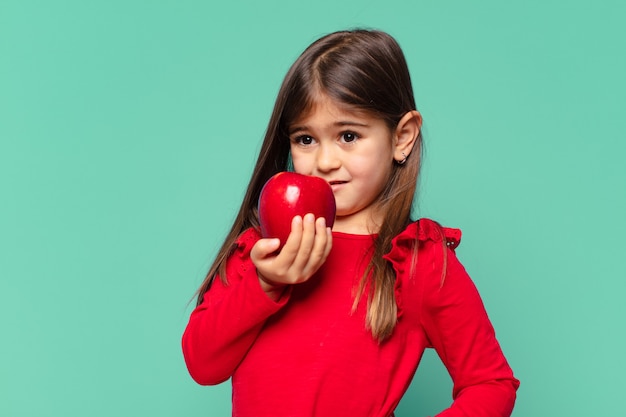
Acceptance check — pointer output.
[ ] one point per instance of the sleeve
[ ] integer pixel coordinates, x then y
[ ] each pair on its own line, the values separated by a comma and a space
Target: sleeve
459, 329
224, 326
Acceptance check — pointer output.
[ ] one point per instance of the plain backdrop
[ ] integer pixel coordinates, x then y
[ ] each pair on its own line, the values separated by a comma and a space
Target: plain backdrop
128, 132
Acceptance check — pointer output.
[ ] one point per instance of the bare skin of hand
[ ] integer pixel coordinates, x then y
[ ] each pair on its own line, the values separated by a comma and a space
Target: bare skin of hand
306, 249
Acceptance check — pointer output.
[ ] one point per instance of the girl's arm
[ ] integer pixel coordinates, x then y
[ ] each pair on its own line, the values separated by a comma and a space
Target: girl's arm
459, 329
224, 326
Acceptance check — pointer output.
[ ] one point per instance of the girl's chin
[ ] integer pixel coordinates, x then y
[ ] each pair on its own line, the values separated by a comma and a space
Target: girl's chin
341, 214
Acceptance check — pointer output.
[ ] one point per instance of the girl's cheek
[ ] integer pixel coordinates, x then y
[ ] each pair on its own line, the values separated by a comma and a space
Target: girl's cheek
300, 165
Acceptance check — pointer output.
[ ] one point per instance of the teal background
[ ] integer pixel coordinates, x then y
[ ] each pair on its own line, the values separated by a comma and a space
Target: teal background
128, 131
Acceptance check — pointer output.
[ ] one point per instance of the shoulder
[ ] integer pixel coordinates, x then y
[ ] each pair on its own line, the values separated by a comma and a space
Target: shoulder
419, 256
426, 237
238, 261
428, 229
246, 240
423, 232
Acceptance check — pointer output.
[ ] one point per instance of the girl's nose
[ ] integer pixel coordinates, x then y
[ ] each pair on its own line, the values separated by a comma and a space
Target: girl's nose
327, 158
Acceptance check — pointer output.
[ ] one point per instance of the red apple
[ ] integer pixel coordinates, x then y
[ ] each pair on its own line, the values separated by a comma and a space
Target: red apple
288, 194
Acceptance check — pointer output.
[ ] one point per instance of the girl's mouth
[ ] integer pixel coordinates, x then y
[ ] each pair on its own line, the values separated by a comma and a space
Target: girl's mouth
335, 185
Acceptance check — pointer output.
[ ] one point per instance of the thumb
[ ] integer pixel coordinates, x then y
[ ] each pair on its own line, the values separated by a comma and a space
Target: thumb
264, 247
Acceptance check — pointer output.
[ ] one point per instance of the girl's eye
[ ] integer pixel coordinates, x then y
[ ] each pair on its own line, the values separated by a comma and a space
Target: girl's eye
304, 140
349, 136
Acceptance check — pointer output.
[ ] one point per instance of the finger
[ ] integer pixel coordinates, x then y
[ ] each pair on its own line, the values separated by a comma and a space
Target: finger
317, 252
292, 245
321, 248
329, 242
306, 243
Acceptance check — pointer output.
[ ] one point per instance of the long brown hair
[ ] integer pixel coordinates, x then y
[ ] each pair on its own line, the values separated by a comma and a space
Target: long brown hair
367, 70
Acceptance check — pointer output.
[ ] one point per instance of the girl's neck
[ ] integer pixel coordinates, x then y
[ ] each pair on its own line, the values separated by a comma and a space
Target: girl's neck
357, 225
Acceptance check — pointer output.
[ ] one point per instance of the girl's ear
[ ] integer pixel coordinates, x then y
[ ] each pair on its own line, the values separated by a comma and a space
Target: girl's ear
406, 134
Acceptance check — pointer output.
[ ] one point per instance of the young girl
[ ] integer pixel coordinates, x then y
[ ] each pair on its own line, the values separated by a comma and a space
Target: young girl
335, 324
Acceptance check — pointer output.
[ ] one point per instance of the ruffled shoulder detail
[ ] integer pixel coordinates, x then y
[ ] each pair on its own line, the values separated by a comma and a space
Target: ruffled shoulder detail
403, 247
243, 246
247, 239
422, 230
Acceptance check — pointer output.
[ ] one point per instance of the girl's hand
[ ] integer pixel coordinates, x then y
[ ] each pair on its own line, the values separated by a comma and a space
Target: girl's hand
306, 249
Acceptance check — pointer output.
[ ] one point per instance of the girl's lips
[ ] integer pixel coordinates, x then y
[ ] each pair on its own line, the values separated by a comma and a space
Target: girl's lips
336, 184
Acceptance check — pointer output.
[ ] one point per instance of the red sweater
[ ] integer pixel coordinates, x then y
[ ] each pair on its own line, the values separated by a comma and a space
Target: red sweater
307, 355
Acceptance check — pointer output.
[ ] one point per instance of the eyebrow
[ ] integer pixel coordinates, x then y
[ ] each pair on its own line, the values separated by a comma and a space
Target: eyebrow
341, 123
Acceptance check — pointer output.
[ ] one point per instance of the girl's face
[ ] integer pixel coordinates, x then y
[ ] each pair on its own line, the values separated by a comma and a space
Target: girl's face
351, 150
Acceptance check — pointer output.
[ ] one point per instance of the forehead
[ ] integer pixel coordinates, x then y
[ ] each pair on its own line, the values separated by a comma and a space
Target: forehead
323, 106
